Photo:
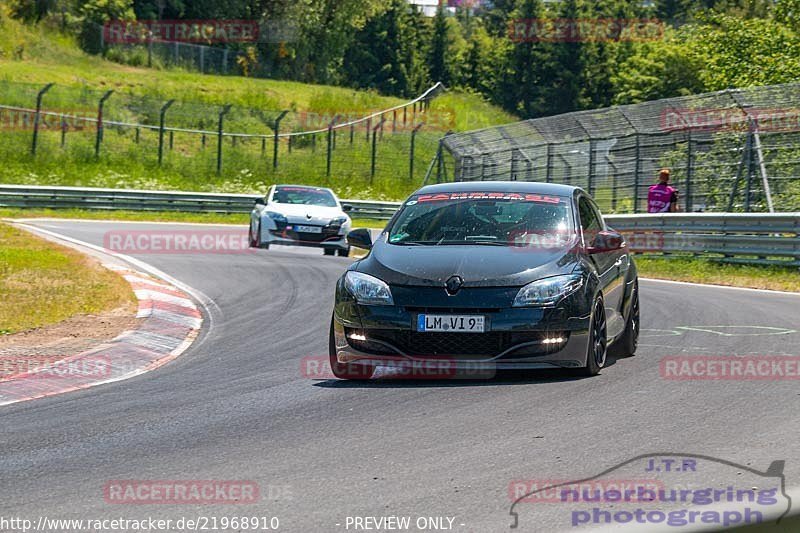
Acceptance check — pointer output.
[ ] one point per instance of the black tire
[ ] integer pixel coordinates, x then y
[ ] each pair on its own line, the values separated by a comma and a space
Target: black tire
344, 252
329, 251
626, 345
255, 238
345, 371
598, 341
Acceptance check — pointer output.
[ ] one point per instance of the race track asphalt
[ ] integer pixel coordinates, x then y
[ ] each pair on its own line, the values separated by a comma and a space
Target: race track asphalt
236, 406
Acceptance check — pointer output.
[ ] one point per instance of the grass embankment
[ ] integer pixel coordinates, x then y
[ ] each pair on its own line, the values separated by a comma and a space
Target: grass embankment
37, 55
716, 273
42, 283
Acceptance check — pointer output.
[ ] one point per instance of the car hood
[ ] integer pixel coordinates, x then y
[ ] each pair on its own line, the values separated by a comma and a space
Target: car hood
300, 212
478, 266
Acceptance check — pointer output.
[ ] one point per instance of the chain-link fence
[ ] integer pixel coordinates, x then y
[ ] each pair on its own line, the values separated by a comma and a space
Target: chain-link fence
734, 150
204, 145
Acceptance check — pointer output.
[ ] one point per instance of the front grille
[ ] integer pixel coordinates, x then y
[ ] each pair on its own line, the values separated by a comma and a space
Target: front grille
328, 233
487, 344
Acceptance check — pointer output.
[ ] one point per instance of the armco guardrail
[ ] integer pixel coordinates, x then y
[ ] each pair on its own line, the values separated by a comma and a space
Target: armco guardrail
25, 196
757, 238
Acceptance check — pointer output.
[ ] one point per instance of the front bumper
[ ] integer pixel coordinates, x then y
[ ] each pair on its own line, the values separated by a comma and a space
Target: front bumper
515, 338
334, 239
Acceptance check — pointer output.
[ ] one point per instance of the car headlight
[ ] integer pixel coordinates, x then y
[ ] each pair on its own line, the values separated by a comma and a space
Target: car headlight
277, 217
547, 291
367, 289
339, 221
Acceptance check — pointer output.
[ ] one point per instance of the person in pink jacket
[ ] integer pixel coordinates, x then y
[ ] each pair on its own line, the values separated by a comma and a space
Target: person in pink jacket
661, 198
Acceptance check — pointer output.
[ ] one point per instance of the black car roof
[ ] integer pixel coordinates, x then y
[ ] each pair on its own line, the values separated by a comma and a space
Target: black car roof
555, 189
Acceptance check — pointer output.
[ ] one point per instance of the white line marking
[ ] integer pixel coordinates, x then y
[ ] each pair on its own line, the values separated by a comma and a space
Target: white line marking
766, 291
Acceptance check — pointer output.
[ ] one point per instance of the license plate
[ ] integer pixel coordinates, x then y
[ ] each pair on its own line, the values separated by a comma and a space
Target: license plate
308, 229
451, 323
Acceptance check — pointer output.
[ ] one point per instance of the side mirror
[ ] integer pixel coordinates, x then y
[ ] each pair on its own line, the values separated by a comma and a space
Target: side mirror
260, 201
606, 241
347, 208
360, 238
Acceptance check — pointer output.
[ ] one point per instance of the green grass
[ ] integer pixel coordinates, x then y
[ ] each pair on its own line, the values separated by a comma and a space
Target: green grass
717, 273
153, 216
42, 283
39, 55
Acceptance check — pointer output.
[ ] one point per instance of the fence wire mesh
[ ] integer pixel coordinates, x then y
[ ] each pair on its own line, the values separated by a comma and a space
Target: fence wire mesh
192, 140
734, 150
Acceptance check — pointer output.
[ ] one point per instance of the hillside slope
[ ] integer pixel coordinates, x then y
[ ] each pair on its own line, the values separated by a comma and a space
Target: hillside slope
32, 56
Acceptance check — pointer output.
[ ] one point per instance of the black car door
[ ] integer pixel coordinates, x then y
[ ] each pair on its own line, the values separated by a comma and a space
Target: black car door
608, 265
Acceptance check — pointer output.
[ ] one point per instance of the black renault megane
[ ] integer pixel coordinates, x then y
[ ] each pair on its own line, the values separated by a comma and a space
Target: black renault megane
506, 275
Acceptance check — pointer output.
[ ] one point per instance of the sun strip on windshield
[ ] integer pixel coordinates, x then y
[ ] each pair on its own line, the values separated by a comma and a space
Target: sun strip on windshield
444, 197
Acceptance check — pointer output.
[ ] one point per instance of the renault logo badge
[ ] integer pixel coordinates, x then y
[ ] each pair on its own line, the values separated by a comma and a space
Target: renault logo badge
453, 284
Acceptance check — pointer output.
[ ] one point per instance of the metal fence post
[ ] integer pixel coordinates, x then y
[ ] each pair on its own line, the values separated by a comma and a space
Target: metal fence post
63, 131
374, 150
276, 138
750, 165
637, 168
225, 109
411, 156
136, 138
689, 165
99, 136
590, 177
329, 155
37, 116
744, 163
171, 139
548, 162
162, 119
440, 161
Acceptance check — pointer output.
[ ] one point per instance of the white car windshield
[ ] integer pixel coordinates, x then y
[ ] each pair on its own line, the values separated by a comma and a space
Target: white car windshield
303, 196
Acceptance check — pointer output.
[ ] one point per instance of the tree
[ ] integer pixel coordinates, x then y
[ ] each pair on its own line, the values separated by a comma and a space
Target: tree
563, 66
658, 69
374, 59
520, 85
437, 58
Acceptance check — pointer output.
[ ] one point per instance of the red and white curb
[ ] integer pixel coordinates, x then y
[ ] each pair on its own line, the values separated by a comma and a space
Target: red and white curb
171, 322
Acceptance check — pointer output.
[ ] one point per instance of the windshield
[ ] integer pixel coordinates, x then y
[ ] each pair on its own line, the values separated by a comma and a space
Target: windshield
501, 219
303, 196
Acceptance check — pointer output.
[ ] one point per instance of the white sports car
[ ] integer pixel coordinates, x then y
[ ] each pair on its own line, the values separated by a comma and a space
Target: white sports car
297, 215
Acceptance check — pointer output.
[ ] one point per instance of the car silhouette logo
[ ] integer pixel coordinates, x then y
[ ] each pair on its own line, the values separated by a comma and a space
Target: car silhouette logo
453, 284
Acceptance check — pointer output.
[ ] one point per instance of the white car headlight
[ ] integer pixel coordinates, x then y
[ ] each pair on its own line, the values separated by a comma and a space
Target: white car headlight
339, 221
367, 289
547, 291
